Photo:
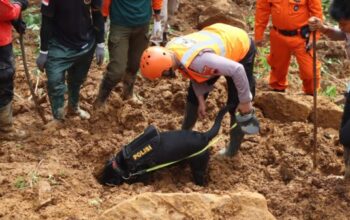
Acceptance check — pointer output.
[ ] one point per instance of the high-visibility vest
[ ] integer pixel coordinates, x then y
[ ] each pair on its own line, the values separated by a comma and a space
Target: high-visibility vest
225, 40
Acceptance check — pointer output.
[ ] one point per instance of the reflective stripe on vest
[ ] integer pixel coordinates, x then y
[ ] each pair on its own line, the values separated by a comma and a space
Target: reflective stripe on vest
215, 39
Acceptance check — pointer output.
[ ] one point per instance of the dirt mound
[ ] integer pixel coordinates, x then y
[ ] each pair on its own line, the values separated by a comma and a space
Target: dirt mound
51, 174
243, 205
289, 108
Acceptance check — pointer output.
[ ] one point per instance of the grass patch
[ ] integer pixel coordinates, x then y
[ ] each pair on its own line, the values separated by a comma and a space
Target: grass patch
21, 183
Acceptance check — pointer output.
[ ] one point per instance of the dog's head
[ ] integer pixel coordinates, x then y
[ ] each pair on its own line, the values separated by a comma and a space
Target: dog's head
111, 174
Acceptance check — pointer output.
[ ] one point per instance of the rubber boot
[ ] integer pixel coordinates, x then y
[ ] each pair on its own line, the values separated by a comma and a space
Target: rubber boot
236, 138
7, 132
165, 39
57, 121
103, 93
128, 89
78, 111
347, 162
190, 117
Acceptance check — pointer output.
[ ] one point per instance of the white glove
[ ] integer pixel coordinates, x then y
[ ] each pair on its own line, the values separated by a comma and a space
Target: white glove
157, 35
248, 122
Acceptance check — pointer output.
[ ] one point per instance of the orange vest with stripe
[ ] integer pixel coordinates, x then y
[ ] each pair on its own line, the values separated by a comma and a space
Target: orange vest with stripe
225, 40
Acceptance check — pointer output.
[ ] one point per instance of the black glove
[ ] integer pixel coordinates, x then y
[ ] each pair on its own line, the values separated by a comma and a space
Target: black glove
19, 25
23, 3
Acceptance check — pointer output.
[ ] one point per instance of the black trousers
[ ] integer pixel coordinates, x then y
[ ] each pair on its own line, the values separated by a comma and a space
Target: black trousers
7, 73
248, 64
344, 134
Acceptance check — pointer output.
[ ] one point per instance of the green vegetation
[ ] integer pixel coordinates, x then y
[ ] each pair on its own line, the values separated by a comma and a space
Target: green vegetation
250, 20
21, 183
330, 91
262, 67
32, 18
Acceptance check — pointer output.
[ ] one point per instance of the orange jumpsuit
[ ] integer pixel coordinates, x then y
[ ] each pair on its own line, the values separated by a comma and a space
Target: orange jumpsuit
287, 15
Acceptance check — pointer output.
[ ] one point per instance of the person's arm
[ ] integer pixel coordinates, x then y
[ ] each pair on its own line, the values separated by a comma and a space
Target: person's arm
45, 32
207, 62
98, 21
262, 15
8, 11
333, 33
46, 29
316, 23
315, 9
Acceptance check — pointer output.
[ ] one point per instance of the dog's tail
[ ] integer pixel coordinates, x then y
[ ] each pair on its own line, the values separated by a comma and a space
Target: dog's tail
217, 124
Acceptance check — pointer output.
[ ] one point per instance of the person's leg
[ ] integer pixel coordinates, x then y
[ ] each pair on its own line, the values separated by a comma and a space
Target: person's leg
279, 60
344, 136
7, 72
191, 108
248, 64
76, 77
164, 17
57, 64
305, 62
172, 7
138, 43
236, 134
118, 47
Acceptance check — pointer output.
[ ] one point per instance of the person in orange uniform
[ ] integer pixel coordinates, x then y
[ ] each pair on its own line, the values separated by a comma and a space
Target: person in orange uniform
289, 35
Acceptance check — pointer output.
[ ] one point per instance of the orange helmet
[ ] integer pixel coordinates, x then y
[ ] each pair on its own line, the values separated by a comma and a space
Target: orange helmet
154, 61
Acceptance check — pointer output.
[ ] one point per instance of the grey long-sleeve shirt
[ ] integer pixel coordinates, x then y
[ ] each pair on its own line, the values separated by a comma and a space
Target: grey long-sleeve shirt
221, 66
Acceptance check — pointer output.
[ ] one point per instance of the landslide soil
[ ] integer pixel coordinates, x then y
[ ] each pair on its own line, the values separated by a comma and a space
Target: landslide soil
277, 163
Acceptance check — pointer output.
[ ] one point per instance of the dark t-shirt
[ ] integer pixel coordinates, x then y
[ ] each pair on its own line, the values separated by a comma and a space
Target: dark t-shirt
72, 23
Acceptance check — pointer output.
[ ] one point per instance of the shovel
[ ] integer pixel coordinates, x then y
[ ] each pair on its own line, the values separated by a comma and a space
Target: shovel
314, 158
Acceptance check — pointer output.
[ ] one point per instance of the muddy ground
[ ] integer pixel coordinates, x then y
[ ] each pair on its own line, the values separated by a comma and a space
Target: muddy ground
277, 163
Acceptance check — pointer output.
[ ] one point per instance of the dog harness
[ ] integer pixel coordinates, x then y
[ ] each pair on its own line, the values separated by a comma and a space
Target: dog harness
138, 153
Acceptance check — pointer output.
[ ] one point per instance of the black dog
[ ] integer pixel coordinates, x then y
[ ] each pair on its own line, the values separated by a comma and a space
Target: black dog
153, 150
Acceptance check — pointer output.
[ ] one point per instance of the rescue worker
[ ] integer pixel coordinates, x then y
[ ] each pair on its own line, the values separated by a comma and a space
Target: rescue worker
9, 12
168, 9
204, 56
289, 35
127, 40
339, 11
70, 32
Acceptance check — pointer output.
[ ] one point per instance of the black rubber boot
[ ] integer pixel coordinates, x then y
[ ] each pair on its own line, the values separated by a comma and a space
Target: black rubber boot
190, 117
236, 138
7, 131
103, 93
